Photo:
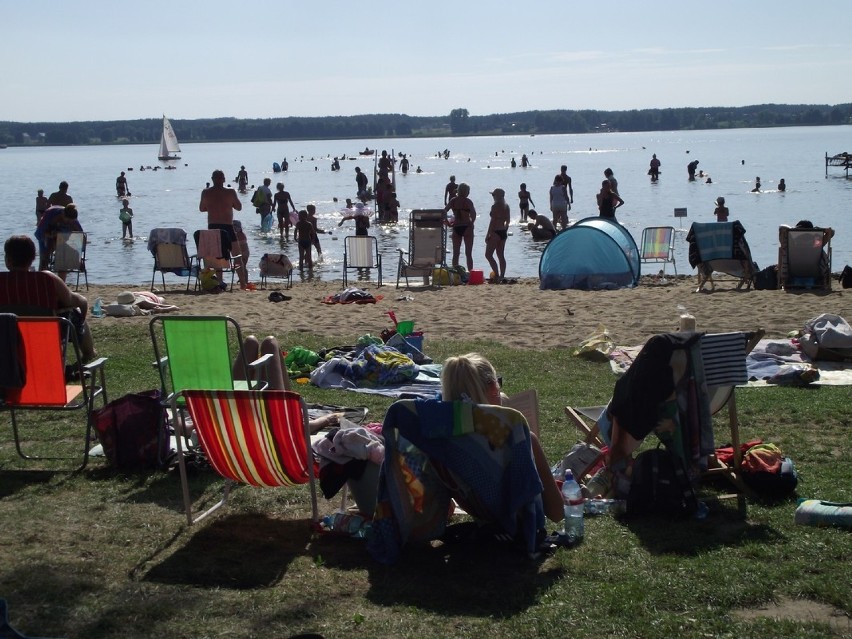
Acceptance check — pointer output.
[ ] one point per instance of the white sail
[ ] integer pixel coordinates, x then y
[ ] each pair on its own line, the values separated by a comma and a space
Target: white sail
168, 142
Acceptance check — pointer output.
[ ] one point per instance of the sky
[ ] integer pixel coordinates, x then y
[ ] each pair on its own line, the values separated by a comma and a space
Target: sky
71, 60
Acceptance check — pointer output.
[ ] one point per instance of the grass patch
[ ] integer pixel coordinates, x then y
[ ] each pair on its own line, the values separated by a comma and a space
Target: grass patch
100, 554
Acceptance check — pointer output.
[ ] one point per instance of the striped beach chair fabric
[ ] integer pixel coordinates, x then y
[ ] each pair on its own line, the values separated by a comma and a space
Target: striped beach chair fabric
658, 246
258, 438
361, 252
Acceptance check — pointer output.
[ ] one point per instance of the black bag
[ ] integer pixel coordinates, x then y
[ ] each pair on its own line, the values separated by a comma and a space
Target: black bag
766, 279
659, 486
846, 277
131, 431
773, 486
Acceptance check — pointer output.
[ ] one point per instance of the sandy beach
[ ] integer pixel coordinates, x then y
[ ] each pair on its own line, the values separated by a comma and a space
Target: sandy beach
517, 315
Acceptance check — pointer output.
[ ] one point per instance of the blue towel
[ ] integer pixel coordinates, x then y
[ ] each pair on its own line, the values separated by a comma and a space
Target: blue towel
715, 240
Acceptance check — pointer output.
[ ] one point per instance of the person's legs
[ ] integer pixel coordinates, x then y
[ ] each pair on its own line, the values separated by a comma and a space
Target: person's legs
277, 376
489, 256
457, 240
250, 350
501, 257
468, 247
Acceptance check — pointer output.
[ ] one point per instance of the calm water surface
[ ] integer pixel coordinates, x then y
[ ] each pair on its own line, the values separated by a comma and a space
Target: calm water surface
731, 158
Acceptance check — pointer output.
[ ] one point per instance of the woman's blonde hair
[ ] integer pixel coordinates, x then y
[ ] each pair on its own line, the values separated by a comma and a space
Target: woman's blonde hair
470, 375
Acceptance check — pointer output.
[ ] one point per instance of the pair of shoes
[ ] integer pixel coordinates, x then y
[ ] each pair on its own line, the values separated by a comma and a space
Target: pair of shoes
278, 296
600, 485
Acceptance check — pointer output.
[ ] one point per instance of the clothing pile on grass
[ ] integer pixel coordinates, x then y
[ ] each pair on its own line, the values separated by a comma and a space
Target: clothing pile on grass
370, 363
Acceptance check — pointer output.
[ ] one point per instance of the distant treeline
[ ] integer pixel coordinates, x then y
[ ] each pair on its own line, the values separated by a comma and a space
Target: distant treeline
457, 122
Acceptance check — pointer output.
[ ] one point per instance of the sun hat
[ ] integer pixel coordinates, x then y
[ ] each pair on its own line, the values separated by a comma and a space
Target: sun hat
126, 297
720, 201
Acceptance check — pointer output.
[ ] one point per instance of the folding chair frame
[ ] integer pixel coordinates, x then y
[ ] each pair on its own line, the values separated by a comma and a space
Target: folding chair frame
350, 246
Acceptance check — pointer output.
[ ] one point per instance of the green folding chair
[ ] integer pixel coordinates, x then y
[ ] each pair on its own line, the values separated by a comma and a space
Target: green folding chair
198, 353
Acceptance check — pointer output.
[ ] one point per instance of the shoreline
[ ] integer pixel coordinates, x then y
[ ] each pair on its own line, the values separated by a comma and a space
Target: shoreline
519, 315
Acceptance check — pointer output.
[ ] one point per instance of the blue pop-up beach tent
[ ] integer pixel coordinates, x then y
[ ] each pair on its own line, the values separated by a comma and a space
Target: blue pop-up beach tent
595, 253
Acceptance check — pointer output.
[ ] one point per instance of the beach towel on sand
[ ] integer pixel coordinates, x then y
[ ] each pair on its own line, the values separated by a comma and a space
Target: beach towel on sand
352, 295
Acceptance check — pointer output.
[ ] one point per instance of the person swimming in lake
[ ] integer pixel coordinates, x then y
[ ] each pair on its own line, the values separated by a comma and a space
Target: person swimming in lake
782, 185
756, 188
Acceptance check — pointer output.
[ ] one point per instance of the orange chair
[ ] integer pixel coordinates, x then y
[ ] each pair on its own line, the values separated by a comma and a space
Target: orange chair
44, 356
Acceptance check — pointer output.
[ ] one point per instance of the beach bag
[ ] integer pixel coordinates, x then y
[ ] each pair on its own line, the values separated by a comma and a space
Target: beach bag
659, 486
768, 472
258, 199
131, 430
766, 279
846, 277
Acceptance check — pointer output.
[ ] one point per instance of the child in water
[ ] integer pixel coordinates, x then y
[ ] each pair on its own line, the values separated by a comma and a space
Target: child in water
126, 217
721, 211
303, 233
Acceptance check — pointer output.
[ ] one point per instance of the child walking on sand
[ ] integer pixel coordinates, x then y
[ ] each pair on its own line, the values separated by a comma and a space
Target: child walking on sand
126, 217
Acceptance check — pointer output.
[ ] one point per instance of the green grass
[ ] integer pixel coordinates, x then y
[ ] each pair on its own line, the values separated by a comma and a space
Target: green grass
100, 554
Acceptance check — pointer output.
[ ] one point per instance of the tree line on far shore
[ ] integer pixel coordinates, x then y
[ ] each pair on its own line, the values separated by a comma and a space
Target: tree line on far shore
457, 122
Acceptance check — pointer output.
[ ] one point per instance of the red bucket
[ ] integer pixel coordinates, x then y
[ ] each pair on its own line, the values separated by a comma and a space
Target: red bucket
476, 277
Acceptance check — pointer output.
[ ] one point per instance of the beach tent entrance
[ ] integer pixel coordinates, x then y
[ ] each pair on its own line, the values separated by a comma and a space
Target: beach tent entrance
595, 253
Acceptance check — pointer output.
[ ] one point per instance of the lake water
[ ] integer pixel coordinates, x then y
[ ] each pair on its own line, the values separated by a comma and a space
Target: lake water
732, 158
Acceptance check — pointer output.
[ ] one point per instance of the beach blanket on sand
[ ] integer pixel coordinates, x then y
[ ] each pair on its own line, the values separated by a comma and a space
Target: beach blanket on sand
435, 451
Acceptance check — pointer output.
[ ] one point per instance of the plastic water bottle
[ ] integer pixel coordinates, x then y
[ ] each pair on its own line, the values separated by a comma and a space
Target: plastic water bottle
572, 498
97, 310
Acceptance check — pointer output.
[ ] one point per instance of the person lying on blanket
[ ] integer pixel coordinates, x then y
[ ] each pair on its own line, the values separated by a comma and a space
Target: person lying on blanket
472, 377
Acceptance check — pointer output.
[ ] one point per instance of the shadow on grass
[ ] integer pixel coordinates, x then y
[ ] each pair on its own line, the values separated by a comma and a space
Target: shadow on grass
463, 578
241, 551
12, 481
691, 537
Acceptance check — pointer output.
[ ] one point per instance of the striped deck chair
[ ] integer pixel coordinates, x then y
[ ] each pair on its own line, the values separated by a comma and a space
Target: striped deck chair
258, 438
361, 252
657, 246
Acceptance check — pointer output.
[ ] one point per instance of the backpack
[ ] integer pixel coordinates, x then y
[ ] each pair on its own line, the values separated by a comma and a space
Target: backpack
846, 277
131, 430
659, 486
258, 199
766, 279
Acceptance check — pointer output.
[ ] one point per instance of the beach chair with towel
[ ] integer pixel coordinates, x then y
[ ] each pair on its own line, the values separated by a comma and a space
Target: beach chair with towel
41, 371
168, 246
657, 246
257, 438
477, 455
720, 247
361, 252
713, 365
70, 256
804, 258
214, 250
275, 265
427, 245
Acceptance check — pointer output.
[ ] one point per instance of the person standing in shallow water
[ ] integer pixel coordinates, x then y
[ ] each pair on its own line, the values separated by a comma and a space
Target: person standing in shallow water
126, 217
464, 215
242, 179
495, 237
721, 211
450, 190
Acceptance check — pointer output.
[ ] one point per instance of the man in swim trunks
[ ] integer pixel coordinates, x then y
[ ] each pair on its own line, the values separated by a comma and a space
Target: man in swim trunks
464, 216
219, 202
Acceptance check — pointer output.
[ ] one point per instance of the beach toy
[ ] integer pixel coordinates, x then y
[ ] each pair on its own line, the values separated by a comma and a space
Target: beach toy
476, 277
406, 327
415, 340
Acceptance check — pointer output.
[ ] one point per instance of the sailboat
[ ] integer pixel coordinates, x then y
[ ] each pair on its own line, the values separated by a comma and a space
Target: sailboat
168, 142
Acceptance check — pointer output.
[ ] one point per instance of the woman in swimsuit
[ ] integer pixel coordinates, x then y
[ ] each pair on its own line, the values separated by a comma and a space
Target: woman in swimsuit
495, 237
465, 215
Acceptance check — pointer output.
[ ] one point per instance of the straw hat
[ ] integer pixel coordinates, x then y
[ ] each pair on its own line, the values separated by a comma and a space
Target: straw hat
126, 297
